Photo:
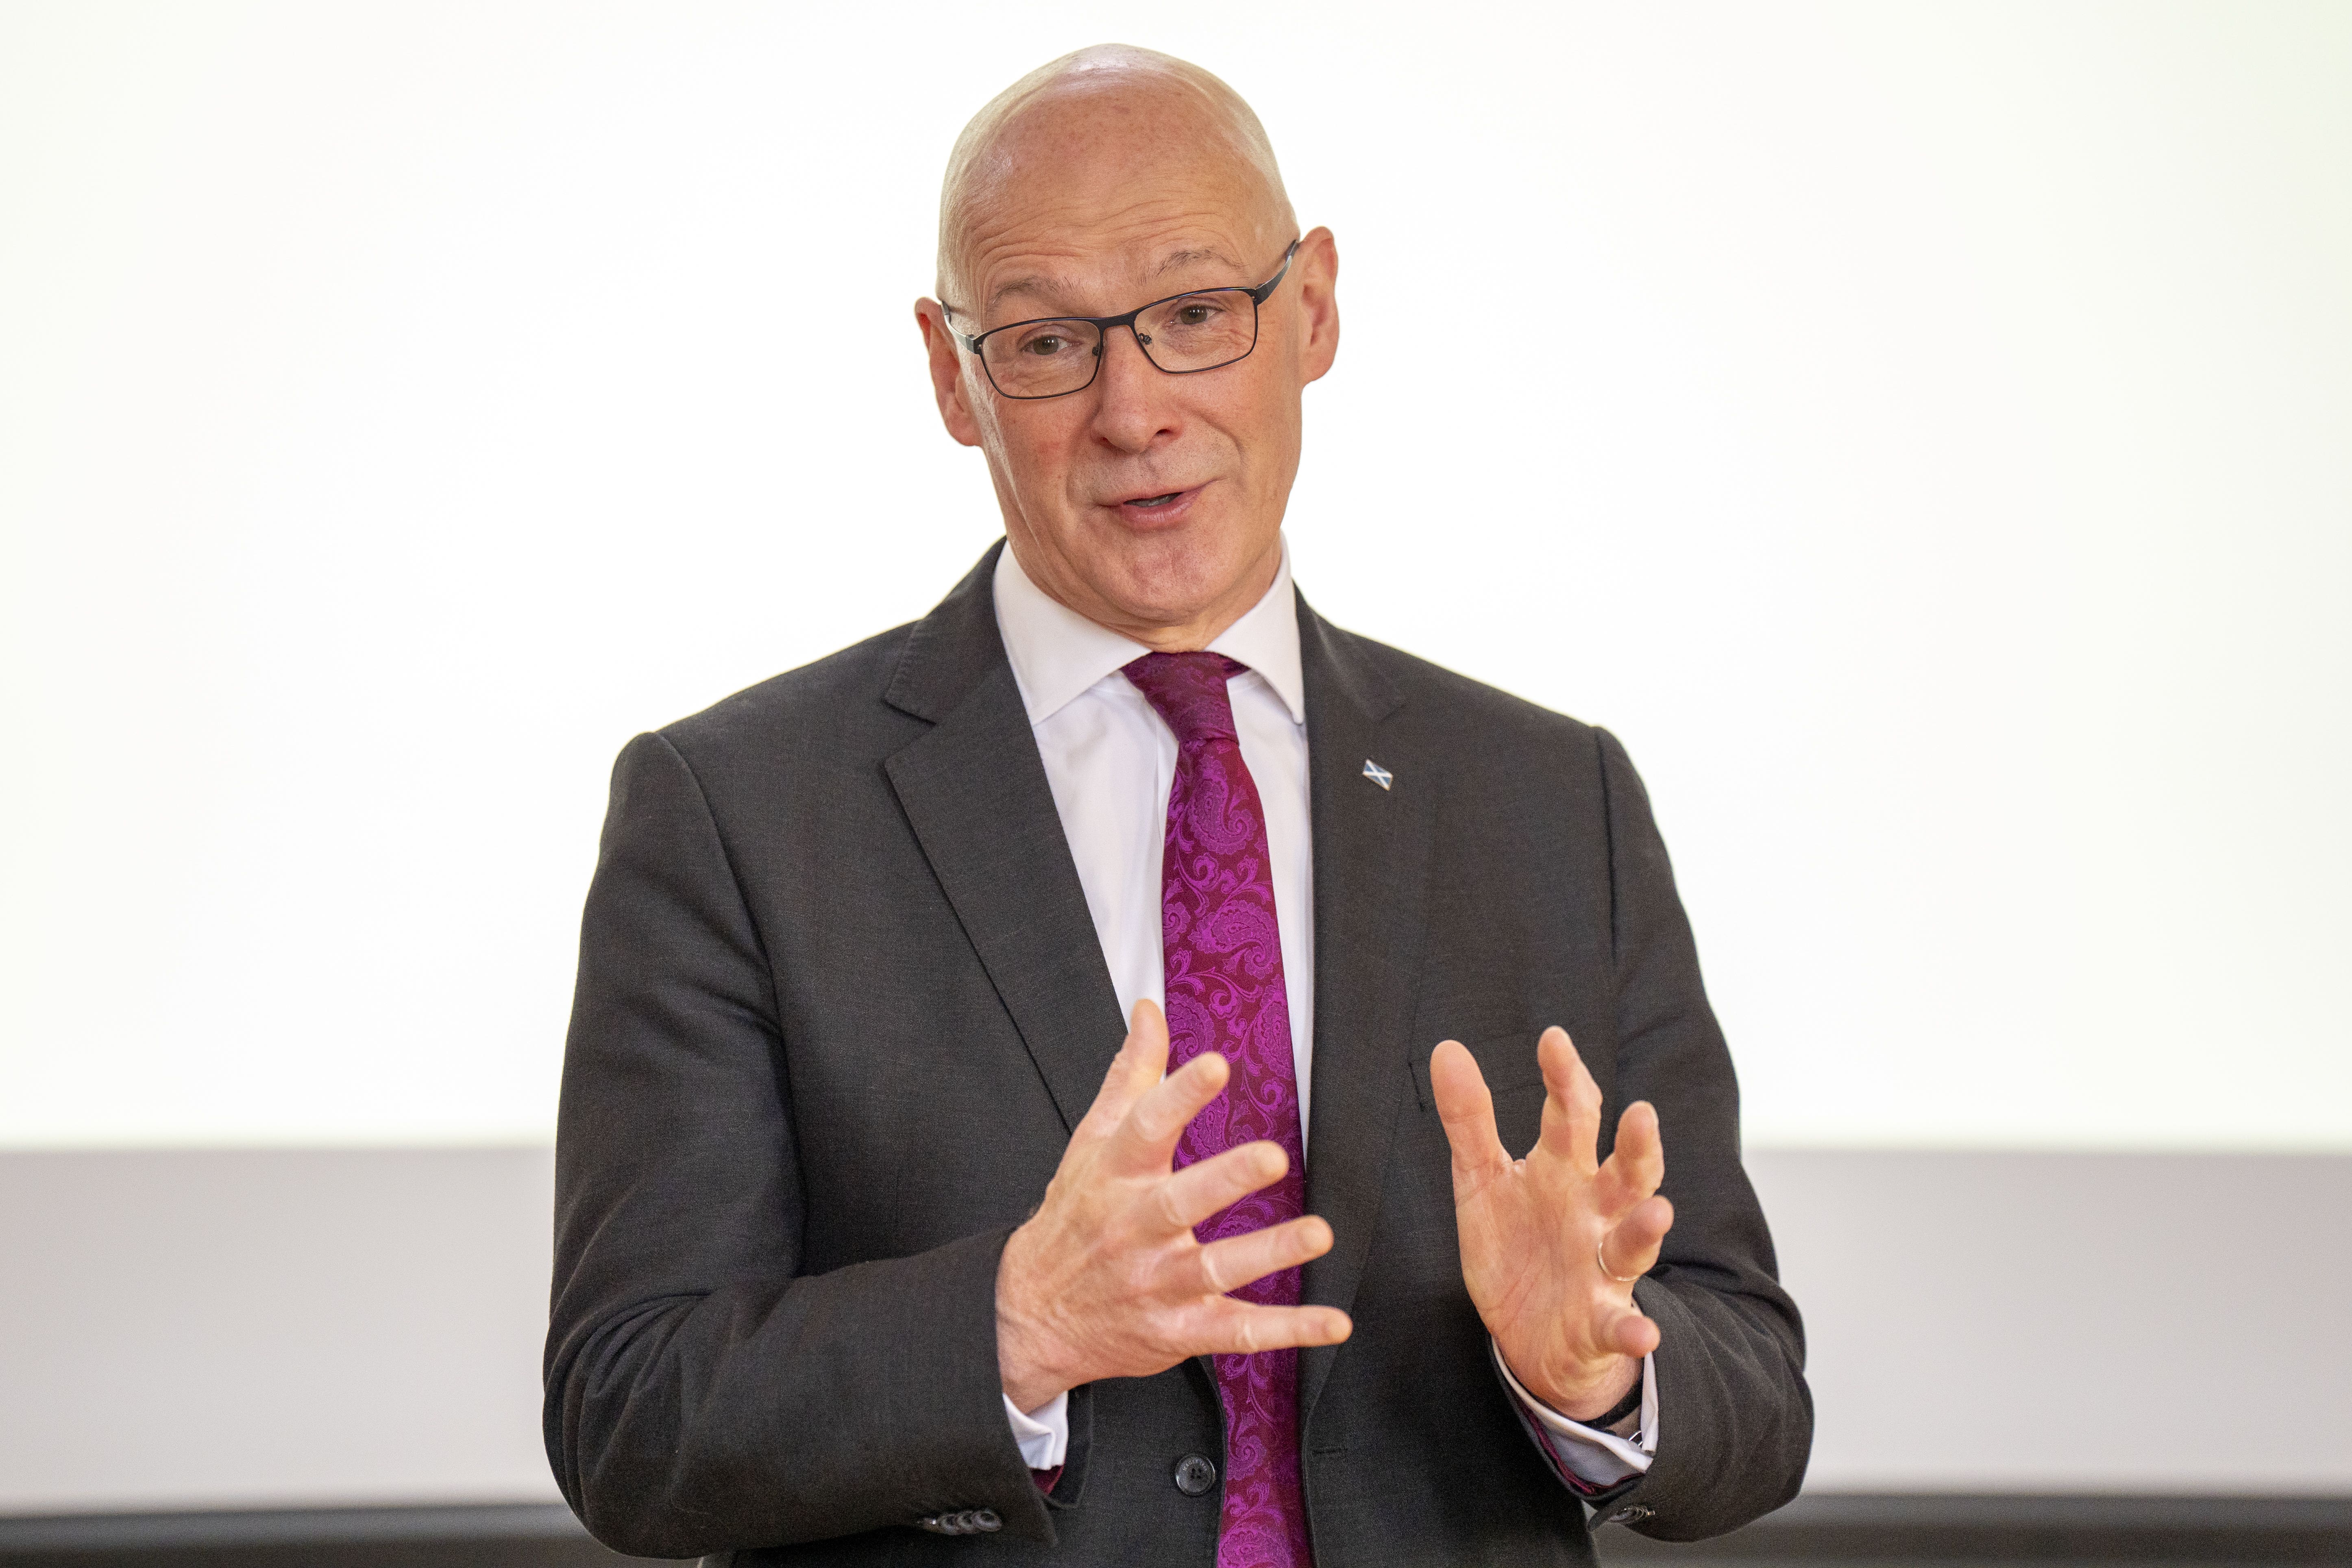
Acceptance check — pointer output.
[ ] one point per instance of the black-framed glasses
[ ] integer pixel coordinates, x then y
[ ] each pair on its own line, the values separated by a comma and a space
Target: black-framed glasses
1053, 356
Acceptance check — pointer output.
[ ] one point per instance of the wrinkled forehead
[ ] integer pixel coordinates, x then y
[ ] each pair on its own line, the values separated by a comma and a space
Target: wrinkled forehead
1106, 190
1094, 254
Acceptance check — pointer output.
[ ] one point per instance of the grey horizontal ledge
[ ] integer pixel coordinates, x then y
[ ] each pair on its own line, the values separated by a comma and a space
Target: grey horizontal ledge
1952, 1529
1932, 1511
213, 1529
1817, 1529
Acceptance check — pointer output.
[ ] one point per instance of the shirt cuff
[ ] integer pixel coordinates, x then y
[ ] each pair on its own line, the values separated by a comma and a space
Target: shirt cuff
1043, 1432
1593, 1454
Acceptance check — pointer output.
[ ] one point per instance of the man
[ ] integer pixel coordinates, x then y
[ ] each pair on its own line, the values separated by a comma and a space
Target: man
877, 1244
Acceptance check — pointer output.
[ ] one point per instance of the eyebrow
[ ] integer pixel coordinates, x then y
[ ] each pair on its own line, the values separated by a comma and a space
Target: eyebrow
1177, 259
1047, 288
1003, 291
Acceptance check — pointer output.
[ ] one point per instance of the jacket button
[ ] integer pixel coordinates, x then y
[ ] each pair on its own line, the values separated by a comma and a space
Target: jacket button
988, 1520
1195, 1474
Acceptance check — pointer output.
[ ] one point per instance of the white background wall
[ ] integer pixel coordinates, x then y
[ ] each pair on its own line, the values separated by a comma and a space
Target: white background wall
1920, 430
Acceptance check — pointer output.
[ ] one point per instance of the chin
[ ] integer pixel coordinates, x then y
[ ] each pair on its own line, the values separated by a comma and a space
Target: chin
1175, 576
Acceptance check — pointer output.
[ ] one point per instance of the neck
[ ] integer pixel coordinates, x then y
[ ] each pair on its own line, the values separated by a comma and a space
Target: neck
1190, 634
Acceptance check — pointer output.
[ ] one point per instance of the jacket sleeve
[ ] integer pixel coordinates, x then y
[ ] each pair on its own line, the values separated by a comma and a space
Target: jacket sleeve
702, 1392
1735, 1417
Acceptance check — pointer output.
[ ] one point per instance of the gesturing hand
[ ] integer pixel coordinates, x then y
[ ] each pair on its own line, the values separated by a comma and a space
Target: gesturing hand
1105, 1279
1537, 1233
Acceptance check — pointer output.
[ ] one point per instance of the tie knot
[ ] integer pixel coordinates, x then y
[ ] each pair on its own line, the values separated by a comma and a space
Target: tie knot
1188, 690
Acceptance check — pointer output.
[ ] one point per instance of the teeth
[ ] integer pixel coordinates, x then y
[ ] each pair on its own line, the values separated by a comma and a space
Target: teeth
1154, 500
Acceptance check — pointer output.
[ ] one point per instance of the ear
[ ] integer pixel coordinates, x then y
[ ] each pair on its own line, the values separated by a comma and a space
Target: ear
948, 383
1317, 274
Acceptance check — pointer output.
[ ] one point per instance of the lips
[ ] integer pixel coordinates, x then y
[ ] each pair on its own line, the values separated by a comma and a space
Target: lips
1155, 508
1151, 498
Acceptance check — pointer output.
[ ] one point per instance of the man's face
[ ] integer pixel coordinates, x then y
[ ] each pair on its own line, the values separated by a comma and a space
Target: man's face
1149, 503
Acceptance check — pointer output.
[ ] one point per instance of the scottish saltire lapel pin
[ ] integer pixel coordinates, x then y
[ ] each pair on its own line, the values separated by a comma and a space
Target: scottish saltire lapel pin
1377, 773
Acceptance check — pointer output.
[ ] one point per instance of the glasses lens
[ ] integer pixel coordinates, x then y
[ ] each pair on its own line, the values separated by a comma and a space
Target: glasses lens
1041, 359
1199, 332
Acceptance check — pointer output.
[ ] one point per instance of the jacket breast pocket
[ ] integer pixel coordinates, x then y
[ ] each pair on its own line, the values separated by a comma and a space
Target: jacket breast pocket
1512, 1077
1509, 1066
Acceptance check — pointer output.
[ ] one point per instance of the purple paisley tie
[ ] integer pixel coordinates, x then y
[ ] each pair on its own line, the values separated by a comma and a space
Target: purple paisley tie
1223, 959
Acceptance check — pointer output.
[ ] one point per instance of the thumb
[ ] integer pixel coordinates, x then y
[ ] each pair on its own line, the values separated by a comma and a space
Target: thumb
1467, 1109
1141, 1062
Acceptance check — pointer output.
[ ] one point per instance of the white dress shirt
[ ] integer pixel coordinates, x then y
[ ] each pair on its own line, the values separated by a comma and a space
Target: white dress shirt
1110, 761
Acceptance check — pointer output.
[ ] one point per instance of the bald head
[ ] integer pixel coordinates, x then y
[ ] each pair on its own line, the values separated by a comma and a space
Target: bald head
1098, 131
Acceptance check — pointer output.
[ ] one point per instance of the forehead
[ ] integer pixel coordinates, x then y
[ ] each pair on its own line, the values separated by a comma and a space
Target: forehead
1093, 263
1078, 210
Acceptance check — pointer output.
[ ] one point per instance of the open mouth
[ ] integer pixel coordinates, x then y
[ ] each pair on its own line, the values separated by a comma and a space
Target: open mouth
1163, 509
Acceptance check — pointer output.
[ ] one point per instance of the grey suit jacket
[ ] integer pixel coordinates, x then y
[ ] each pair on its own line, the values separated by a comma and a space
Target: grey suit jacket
840, 1003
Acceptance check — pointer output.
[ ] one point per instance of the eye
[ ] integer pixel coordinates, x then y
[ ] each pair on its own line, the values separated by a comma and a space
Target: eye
1195, 313
1044, 345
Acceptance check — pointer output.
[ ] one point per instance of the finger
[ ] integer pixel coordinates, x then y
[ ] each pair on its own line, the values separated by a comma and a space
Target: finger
1141, 1061
1196, 1192
1631, 1247
1146, 1139
1240, 1328
1467, 1109
1229, 1263
1638, 1163
1630, 1334
1571, 1113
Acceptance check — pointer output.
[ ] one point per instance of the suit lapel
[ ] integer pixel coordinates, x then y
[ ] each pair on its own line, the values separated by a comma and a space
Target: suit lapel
1371, 859
974, 790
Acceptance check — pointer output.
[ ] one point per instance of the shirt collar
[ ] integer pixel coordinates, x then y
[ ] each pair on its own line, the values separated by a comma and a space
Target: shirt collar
1057, 653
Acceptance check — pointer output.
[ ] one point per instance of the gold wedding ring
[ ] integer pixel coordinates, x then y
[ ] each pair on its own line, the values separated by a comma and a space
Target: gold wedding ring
1600, 1260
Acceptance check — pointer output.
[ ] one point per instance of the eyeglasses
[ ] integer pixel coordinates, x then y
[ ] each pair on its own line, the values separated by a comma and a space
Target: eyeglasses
1183, 334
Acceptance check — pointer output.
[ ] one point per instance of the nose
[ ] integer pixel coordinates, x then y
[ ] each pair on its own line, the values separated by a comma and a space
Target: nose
1133, 408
